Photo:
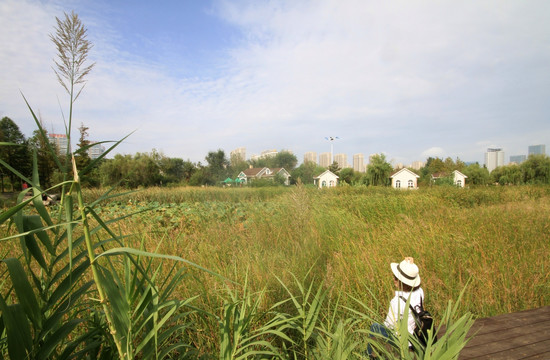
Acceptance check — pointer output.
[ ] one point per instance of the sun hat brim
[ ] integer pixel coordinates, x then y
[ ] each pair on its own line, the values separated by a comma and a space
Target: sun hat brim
403, 277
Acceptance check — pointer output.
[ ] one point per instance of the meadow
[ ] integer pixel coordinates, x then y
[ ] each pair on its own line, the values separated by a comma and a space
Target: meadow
497, 237
270, 245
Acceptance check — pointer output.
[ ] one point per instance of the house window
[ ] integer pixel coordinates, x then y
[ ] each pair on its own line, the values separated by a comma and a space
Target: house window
410, 184
397, 184
324, 183
331, 184
459, 183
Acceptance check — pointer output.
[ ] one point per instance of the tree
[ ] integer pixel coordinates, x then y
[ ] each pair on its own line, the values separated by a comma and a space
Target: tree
507, 175
334, 167
305, 172
17, 155
217, 166
536, 169
82, 157
378, 171
477, 175
238, 164
188, 169
46, 163
349, 176
285, 159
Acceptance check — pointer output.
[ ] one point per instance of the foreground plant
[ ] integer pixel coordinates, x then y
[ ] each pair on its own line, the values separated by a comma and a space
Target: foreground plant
68, 295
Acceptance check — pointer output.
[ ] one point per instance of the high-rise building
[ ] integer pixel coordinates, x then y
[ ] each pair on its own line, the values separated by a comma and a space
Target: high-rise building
417, 165
341, 160
268, 153
95, 150
494, 158
358, 162
60, 141
517, 159
239, 154
310, 156
537, 150
324, 159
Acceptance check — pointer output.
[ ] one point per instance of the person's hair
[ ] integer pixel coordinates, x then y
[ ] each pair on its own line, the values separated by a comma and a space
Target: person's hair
405, 287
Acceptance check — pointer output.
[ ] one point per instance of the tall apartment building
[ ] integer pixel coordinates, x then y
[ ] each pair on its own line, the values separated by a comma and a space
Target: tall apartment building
341, 160
494, 158
358, 162
537, 150
417, 165
239, 154
95, 150
310, 156
60, 141
268, 153
324, 159
517, 159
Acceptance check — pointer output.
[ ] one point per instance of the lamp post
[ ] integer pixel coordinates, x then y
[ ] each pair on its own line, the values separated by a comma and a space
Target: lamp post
331, 139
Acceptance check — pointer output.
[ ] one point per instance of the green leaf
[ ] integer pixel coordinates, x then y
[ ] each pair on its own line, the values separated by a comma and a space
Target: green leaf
130, 251
24, 291
18, 331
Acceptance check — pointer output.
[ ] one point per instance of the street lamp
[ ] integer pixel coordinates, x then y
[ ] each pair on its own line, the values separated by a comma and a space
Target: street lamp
331, 139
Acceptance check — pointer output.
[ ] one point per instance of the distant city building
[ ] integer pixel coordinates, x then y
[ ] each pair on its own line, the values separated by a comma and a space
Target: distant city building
359, 162
95, 150
537, 150
268, 153
494, 158
238, 154
60, 141
324, 159
341, 160
310, 156
517, 159
399, 166
417, 165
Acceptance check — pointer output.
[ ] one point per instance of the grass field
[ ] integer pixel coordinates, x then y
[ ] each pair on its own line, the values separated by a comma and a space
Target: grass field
497, 236
277, 241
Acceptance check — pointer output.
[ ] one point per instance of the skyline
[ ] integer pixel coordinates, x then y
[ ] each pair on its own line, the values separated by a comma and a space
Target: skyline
318, 154
410, 80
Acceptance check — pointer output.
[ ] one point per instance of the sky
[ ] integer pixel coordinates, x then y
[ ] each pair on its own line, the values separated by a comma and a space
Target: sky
410, 79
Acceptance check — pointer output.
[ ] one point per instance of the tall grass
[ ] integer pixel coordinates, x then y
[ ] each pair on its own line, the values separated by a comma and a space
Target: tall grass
345, 239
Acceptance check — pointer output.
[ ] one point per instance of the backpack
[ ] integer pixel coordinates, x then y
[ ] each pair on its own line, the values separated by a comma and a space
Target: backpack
423, 320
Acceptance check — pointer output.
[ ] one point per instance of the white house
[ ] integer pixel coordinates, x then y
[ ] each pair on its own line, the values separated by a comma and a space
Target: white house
459, 179
250, 174
326, 179
404, 179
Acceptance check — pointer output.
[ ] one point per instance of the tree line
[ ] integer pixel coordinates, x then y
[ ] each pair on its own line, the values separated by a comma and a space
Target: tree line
145, 169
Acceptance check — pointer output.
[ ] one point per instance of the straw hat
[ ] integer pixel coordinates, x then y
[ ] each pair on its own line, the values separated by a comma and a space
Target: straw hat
406, 272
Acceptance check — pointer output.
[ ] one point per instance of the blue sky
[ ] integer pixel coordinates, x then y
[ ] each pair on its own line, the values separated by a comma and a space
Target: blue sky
410, 79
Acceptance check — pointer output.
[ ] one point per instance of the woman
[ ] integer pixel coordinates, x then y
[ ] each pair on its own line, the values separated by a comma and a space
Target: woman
406, 279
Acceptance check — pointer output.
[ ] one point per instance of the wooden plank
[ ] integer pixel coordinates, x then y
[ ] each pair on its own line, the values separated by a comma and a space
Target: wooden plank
506, 321
499, 348
504, 334
522, 335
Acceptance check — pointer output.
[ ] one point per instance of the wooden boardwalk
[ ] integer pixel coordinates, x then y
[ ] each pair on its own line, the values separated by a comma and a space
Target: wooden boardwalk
521, 335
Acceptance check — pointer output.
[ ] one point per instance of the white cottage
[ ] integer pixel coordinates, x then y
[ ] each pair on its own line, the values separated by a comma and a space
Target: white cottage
248, 175
459, 179
326, 179
404, 179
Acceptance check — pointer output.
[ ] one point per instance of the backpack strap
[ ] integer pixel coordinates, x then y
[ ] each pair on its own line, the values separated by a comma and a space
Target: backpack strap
410, 306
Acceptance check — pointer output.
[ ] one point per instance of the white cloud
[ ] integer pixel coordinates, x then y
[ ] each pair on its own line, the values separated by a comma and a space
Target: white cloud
396, 75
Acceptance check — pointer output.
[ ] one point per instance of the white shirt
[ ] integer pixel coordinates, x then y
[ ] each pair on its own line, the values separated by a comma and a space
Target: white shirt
397, 308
